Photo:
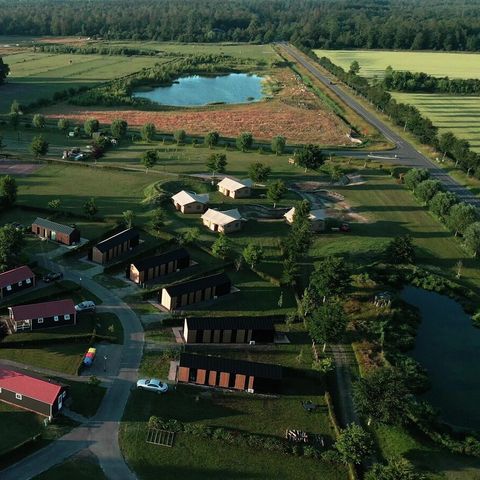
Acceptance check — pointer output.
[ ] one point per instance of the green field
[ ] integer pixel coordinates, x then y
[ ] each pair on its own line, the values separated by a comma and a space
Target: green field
374, 62
82, 467
455, 113
40, 75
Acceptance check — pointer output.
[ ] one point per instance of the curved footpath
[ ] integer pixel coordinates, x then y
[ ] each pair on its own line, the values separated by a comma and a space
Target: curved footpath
100, 433
405, 151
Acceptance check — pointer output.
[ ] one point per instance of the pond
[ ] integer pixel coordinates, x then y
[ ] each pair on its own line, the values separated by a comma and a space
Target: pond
448, 347
196, 90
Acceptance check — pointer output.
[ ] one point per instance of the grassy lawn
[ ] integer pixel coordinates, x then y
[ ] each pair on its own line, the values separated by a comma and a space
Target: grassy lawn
86, 398
439, 463
82, 467
64, 358
374, 62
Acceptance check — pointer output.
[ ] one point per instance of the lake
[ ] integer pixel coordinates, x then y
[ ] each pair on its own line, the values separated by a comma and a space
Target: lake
196, 90
448, 347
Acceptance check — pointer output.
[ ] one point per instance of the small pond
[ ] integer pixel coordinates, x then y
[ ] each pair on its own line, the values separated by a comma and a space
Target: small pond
196, 90
448, 347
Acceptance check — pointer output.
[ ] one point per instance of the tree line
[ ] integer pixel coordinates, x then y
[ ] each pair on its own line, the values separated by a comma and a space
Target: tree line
384, 24
407, 116
406, 81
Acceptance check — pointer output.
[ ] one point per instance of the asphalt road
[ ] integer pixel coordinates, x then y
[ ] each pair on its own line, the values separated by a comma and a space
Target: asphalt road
405, 152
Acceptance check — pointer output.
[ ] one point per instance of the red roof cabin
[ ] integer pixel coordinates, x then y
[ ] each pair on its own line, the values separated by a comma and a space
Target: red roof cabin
32, 393
16, 280
42, 315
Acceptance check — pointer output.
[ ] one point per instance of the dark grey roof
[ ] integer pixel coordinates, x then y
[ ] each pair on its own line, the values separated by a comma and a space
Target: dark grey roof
233, 323
57, 227
198, 284
162, 259
221, 364
110, 242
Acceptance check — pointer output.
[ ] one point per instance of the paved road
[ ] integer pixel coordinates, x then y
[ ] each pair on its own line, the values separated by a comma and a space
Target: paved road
406, 152
100, 434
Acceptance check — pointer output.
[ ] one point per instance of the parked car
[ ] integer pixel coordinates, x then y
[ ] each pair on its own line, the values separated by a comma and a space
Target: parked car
152, 384
86, 306
52, 277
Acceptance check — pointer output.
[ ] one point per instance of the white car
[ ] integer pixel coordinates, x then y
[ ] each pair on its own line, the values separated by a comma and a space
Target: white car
152, 384
86, 306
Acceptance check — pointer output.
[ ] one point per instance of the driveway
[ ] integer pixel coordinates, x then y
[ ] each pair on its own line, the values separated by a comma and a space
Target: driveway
100, 434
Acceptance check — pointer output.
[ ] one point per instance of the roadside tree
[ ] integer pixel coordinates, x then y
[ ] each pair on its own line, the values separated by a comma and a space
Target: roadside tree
415, 176
382, 396
353, 444
275, 191
441, 204
39, 146
244, 141
354, 68
258, 172
278, 145
211, 139
327, 324
472, 238
460, 217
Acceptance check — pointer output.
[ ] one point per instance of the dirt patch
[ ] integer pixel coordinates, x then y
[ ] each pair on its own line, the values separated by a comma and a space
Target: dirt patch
65, 40
8, 167
295, 106
262, 212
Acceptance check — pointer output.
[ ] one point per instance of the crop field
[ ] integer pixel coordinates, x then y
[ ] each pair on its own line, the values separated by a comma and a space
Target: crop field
40, 75
373, 63
293, 105
454, 113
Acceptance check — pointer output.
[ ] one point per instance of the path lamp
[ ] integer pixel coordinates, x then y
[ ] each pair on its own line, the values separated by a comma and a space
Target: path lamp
105, 358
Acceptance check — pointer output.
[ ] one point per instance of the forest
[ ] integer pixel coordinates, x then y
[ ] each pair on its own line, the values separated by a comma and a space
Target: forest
383, 24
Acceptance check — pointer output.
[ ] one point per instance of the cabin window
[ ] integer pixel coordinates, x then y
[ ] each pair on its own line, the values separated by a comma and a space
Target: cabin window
20, 283
40, 320
9, 288
18, 396
55, 318
66, 317
0, 389
28, 281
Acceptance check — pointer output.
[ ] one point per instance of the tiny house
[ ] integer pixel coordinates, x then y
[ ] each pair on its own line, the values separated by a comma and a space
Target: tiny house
16, 280
190, 202
114, 246
195, 291
56, 231
222, 222
235, 188
229, 373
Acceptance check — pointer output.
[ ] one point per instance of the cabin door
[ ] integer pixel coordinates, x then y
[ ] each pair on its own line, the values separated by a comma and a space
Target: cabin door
60, 402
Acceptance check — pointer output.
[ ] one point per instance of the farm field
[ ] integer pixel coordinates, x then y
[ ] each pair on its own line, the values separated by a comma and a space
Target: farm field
374, 62
37, 75
455, 113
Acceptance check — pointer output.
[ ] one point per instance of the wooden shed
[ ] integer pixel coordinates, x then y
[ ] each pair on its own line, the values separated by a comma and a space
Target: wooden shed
235, 188
195, 291
190, 202
36, 316
114, 246
31, 392
147, 269
229, 329
16, 280
229, 373
57, 232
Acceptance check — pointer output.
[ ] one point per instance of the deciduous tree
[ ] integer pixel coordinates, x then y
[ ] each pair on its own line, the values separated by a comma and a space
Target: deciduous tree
278, 145
460, 217
63, 125
216, 163
39, 146
354, 444
148, 132
331, 277
244, 141
91, 126
179, 136
90, 207
472, 238
442, 202
258, 172
128, 217
397, 468
253, 254
11, 243
222, 246
118, 128
427, 189
415, 176
38, 121
149, 159
400, 250
310, 157
275, 191
211, 139
8, 191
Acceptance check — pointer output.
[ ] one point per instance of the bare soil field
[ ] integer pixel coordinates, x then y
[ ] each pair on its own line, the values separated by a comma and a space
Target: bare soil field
295, 112
8, 167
